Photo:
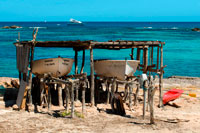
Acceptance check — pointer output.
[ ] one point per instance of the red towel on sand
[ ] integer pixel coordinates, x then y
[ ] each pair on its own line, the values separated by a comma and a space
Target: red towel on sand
171, 95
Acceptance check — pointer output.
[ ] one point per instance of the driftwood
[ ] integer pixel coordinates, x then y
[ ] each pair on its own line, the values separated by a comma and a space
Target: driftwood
117, 104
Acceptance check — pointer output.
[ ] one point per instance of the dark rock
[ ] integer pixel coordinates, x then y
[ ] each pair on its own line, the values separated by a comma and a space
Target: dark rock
11, 27
196, 29
15, 27
10, 96
6, 27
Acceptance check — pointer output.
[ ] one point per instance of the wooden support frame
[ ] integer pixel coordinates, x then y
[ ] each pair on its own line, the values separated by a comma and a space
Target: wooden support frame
83, 61
161, 78
92, 77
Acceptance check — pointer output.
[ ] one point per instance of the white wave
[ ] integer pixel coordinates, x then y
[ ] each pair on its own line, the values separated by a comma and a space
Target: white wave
148, 27
37, 27
174, 28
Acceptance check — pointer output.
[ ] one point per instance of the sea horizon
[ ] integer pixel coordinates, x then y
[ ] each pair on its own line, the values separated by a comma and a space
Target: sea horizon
181, 51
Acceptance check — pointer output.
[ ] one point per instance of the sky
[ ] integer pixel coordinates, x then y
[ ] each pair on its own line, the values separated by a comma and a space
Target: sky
100, 10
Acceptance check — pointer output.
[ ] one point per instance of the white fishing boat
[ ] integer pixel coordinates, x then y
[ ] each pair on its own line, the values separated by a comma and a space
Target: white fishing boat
75, 21
115, 68
55, 66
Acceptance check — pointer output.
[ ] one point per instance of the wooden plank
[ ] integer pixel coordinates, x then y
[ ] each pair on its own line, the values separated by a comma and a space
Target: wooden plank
49, 98
158, 57
132, 56
130, 95
72, 100
144, 102
67, 98
161, 78
83, 61
108, 91
83, 98
92, 77
22, 94
136, 94
60, 100
145, 60
76, 71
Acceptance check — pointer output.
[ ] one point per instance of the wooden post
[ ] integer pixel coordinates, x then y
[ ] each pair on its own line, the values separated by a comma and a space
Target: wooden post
151, 61
158, 57
151, 102
132, 56
112, 93
49, 98
60, 101
76, 70
136, 94
83, 97
145, 59
108, 91
67, 98
72, 99
126, 92
92, 76
130, 95
144, 103
113, 87
161, 78
83, 61
138, 56
30, 76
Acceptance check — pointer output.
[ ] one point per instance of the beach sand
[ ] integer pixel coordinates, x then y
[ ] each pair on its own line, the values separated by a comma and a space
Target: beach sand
99, 119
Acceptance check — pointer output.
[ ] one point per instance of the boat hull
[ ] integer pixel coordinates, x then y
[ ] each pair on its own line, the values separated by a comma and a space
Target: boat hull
116, 68
55, 66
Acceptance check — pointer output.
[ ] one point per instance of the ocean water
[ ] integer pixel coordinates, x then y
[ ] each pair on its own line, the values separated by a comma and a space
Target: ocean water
181, 51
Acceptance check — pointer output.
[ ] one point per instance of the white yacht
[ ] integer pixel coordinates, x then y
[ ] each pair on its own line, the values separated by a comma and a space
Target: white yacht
75, 21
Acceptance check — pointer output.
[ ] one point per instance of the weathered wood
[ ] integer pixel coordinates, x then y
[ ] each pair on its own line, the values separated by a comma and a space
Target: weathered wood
49, 98
136, 94
60, 100
30, 76
67, 98
145, 59
151, 56
152, 92
76, 61
83, 98
21, 97
144, 102
113, 87
72, 100
132, 54
130, 95
23, 105
92, 77
83, 61
126, 92
138, 54
76, 71
158, 57
161, 78
108, 91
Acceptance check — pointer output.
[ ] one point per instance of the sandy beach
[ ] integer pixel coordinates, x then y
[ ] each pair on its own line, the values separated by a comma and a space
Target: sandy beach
100, 119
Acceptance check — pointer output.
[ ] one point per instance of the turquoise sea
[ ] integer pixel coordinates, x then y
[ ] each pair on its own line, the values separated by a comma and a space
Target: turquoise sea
181, 52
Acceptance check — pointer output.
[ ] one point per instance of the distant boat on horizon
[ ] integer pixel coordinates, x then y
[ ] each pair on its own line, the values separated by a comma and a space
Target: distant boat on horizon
75, 21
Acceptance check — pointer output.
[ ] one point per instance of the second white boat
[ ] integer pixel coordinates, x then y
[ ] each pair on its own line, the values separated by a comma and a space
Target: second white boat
116, 68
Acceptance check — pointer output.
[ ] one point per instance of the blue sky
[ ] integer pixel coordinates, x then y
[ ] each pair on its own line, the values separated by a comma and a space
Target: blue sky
100, 10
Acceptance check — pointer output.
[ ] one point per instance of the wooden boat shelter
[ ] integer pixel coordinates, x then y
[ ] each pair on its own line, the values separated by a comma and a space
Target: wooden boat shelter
147, 63
25, 56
